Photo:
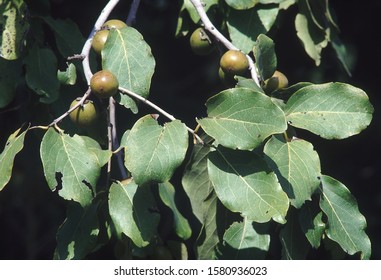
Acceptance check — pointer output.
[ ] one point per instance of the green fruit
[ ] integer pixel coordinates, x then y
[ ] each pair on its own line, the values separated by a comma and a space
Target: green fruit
99, 40
114, 23
200, 43
234, 62
85, 115
104, 84
227, 79
277, 81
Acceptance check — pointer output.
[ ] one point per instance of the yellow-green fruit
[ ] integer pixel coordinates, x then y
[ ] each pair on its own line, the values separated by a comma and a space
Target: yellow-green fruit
277, 81
99, 40
85, 115
234, 62
200, 43
114, 23
104, 84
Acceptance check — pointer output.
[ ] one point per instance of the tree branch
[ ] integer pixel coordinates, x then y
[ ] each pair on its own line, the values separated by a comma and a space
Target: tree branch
132, 13
87, 46
208, 26
114, 138
160, 110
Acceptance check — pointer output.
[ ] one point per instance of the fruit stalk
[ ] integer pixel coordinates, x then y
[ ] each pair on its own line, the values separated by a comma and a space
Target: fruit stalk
80, 103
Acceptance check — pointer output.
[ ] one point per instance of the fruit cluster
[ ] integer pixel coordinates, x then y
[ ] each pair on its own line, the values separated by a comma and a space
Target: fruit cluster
103, 84
232, 62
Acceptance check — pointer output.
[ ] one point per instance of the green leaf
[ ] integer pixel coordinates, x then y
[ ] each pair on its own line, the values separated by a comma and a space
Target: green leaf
286, 93
311, 222
345, 225
242, 241
332, 110
153, 151
294, 242
78, 234
264, 53
130, 212
203, 200
342, 53
242, 4
69, 76
242, 118
314, 37
69, 163
196, 181
285, 4
243, 32
244, 183
14, 27
207, 4
130, 59
167, 195
14, 145
248, 83
271, 1
41, 77
68, 37
10, 72
103, 156
296, 165
126, 101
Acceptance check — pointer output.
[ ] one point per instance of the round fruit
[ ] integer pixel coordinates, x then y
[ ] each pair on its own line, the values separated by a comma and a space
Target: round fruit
99, 40
104, 84
114, 23
277, 81
227, 79
100, 36
200, 43
234, 62
85, 115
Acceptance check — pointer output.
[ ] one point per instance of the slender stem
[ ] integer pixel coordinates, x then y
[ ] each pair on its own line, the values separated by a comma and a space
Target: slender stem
109, 137
132, 13
208, 25
87, 46
114, 138
79, 103
158, 109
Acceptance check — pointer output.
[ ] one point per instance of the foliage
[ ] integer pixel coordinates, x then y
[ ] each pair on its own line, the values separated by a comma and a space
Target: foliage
248, 178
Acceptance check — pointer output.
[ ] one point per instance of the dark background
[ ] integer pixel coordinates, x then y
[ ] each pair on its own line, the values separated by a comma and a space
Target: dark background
30, 214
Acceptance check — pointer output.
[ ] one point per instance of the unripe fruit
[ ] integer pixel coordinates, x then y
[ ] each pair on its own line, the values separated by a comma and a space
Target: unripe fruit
227, 79
99, 40
277, 81
234, 62
85, 115
104, 84
114, 23
100, 36
200, 43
